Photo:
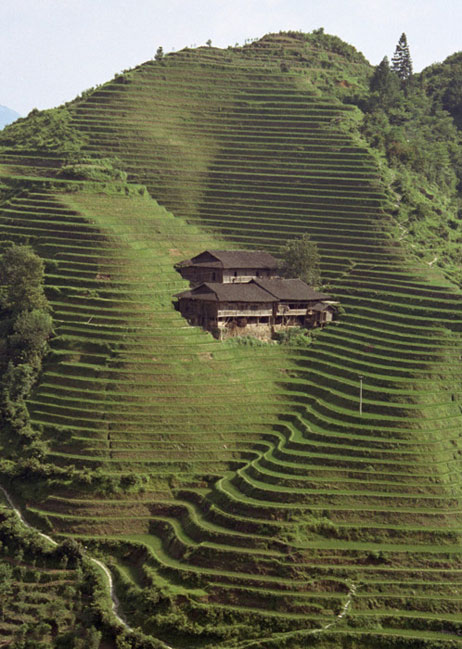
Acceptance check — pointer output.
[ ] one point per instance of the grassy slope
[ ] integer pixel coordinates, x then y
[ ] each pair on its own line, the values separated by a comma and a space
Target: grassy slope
265, 495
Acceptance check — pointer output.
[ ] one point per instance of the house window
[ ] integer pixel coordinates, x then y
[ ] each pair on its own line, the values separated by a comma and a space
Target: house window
214, 276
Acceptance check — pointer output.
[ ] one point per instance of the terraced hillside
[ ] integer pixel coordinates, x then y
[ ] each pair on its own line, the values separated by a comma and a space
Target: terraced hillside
243, 498
45, 594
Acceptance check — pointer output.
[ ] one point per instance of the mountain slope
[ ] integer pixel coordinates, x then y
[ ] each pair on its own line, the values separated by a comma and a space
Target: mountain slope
243, 497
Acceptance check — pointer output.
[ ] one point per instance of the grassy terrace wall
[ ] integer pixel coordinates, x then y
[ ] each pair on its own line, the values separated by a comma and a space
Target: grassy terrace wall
243, 499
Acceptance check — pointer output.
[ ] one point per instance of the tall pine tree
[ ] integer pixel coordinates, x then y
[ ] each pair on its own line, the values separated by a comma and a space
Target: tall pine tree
401, 61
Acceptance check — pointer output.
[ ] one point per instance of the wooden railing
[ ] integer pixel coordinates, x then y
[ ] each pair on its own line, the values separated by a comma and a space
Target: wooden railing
244, 313
286, 311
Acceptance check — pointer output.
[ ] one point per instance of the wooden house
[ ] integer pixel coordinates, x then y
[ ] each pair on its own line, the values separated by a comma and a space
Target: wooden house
212, 305
258, 307
228, 266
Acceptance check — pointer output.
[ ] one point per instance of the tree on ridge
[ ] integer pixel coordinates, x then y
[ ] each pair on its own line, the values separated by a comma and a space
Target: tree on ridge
401, 61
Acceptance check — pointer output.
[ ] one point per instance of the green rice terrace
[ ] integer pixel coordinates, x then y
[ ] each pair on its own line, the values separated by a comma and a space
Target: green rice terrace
233, 488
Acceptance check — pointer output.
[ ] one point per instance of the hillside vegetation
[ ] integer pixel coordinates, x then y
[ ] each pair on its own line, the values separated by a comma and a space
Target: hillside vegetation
238, 494
46, 594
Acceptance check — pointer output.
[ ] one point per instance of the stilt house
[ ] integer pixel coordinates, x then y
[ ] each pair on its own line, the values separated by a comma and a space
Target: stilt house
240, 292
271, 304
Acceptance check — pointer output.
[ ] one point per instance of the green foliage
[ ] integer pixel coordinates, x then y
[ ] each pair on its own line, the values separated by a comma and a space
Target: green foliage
28, 325
159, 55
100, 170
246, 341
6, 575
21, 280
410, 133
423, 150
318, 38
295, 336
44, 130
32, 329
300, 258
442, 82
71, 550
73, 612
384, 86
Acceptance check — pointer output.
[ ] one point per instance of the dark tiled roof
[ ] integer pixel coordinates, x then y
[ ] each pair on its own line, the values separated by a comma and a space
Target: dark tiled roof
258, 290
248, 292
232, 259
202, 264
290, 289
187, 293
183, 264
245, 258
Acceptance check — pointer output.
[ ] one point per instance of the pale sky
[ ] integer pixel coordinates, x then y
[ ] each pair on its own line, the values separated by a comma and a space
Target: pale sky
51, 50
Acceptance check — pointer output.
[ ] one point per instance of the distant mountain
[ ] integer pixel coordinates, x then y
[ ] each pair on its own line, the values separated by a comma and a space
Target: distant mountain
7, 115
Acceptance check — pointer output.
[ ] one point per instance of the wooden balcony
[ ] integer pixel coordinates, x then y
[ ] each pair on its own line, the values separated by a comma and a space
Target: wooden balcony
244, 313
284, 311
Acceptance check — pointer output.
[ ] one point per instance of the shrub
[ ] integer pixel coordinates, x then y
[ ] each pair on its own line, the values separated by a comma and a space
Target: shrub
293, 336
249, 341
101, 170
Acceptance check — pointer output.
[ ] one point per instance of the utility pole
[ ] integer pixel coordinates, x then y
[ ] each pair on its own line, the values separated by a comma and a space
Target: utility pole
360, 395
